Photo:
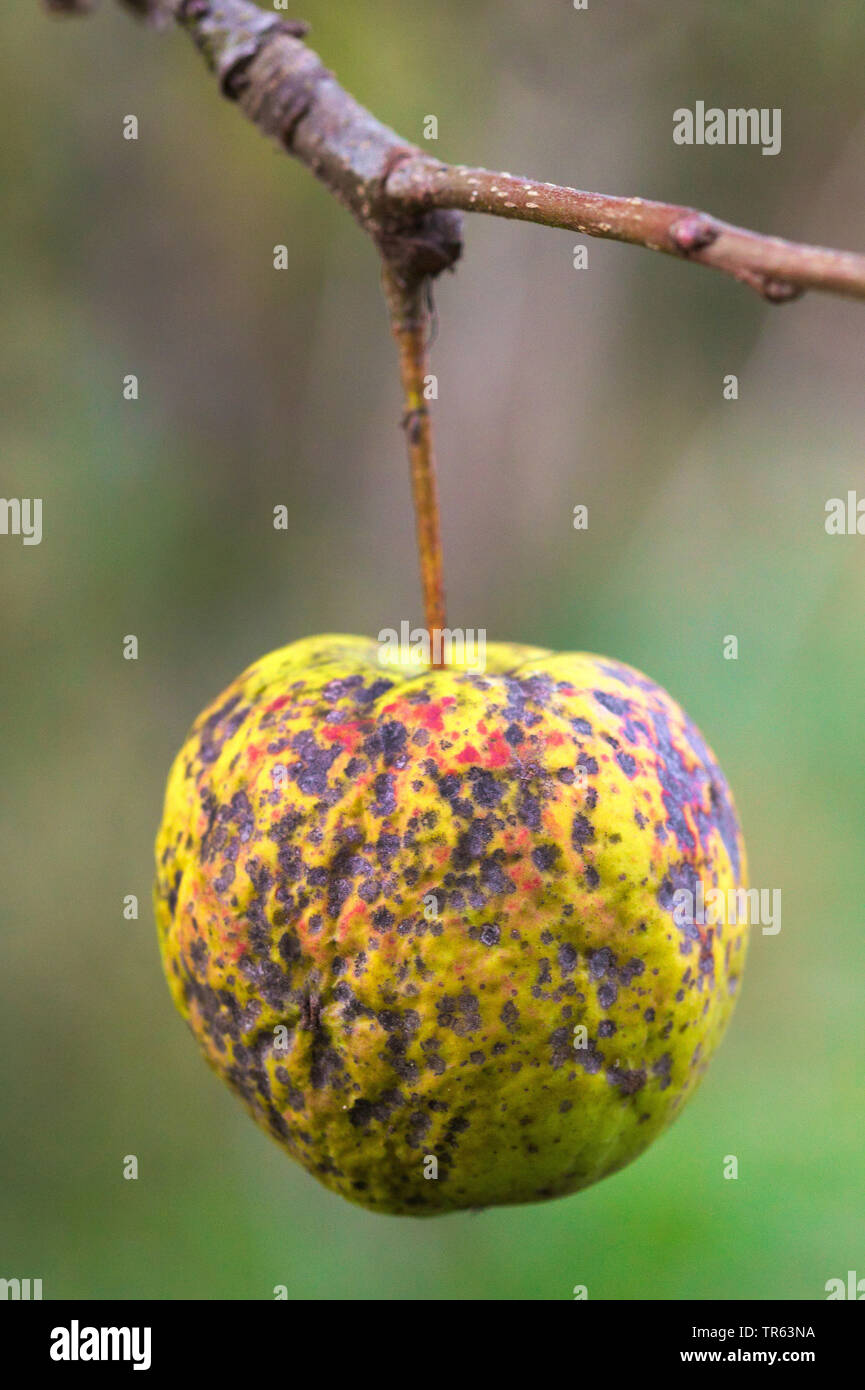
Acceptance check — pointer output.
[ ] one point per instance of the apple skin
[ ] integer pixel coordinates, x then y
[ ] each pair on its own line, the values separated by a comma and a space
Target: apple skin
552, 806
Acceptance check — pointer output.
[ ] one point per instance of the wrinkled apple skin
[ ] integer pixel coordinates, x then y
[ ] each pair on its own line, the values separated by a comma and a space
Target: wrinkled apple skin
552, 807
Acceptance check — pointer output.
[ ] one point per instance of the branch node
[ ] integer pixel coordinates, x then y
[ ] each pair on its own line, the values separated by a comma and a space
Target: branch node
417, 243
412, 423
297, 28
781, 291
418, 247
398, 155
773, 290
693, 232
229, 47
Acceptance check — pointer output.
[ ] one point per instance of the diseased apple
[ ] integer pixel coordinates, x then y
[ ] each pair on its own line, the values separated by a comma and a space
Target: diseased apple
422, 920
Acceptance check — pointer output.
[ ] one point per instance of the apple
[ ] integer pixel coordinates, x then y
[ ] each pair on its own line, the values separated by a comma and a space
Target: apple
423, 920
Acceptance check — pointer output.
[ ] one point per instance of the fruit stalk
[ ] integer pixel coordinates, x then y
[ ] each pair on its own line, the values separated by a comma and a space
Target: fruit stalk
408, 306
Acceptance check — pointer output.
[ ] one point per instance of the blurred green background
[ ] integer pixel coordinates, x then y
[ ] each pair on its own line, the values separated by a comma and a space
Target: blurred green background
557, 386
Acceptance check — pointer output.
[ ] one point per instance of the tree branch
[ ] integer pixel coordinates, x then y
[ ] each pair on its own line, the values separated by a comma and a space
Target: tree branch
411, 206
777, 269
285, 89
409, 203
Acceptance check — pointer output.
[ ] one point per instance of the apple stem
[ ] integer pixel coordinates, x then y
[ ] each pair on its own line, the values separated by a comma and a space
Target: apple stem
408, 306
